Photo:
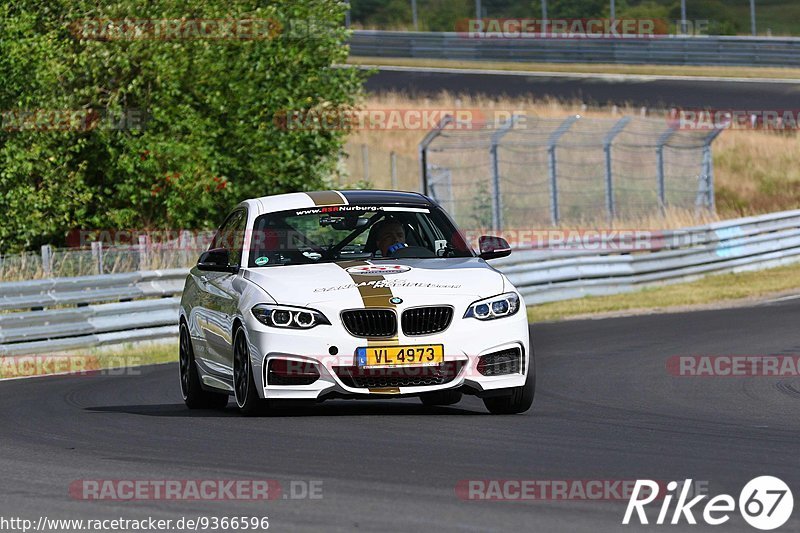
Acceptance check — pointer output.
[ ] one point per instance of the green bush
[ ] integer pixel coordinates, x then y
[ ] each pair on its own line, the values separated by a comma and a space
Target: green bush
209, 139
722, 21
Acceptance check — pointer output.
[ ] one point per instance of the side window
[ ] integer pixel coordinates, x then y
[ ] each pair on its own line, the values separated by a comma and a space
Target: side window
230, 235
238, 238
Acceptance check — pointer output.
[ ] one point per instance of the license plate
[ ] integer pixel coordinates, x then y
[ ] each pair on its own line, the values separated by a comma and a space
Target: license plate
393, 356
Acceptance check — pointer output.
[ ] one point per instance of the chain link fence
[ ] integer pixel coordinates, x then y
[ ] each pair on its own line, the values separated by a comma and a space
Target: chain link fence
575, 170
101, 257
373, 166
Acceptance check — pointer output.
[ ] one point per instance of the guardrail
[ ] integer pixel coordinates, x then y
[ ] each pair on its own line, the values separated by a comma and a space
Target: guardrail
67, 313
671, 50
543, 275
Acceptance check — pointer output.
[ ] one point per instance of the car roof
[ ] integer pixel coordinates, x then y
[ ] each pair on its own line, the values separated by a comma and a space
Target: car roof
300, 200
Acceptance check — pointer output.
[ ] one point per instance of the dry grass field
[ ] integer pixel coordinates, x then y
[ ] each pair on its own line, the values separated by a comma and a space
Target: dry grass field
754, 171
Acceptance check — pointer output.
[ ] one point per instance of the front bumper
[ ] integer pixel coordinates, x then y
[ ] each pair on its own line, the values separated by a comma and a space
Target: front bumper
465, 342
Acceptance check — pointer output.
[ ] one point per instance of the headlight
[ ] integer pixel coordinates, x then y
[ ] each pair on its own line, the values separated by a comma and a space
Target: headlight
495, 307
281, 316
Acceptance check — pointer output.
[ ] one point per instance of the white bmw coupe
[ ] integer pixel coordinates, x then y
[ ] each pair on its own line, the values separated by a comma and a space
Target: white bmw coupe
351, 294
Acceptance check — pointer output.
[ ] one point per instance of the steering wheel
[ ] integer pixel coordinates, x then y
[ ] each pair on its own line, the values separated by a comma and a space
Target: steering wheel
412, 251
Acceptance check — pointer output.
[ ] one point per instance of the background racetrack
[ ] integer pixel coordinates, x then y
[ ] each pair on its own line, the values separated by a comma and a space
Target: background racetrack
605, 409
649, 91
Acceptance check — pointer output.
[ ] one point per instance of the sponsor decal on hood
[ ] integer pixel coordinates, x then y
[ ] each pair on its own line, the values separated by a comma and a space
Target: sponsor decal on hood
388, 284
377, 270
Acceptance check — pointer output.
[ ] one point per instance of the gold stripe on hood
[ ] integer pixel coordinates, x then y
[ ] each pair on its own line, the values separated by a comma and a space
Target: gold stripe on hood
373, 297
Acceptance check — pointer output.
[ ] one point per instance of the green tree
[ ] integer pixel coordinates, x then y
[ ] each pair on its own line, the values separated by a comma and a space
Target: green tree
722, 21
646, 9
382, 14
444, 15
210, 137
577, 9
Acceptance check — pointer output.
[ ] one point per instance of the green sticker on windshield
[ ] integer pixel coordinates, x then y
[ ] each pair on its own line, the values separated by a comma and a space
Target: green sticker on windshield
261, 261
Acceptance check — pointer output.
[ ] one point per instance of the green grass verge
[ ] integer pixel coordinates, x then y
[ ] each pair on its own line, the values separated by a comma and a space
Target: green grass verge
90, 360
715, 289
587, 68
137, 354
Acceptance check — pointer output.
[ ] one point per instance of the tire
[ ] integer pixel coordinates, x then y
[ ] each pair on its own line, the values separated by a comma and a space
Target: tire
445, 397
245, 393
520, 399
192, 391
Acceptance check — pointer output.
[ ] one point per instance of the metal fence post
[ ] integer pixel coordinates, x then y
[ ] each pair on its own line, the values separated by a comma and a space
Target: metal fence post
423, 151
97, 255
365, 162
662, 188
144, 252
609, 138
341, 168
497, 200
552, 167
449, 180
393, 165
705, 191
47, 260
438, 176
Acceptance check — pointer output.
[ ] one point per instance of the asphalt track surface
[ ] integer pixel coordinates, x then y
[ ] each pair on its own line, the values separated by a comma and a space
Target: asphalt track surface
605, 409
651, 92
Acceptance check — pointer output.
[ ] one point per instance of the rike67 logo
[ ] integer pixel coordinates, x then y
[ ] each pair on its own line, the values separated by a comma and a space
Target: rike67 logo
765, 503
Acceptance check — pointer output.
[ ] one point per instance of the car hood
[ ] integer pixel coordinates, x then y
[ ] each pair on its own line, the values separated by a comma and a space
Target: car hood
367, 283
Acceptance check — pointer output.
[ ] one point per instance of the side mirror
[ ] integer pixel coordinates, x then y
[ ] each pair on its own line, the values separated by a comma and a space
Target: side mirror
493, 247
217, 260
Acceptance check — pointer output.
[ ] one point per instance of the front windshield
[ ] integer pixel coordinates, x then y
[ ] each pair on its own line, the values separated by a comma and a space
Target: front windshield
340, 233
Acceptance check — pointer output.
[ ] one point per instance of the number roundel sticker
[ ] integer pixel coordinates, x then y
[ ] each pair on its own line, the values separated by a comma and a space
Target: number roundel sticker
766, 502
377, 270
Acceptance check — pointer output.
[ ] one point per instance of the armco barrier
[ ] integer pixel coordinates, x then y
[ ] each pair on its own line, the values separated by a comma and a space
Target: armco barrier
67, 313
543, 275
672, 50
62, 314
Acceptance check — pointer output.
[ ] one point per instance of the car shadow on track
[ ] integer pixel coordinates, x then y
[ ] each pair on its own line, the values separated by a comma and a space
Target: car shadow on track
333, 408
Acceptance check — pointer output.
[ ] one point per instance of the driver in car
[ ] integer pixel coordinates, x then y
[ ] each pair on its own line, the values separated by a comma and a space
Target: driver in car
390, 237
